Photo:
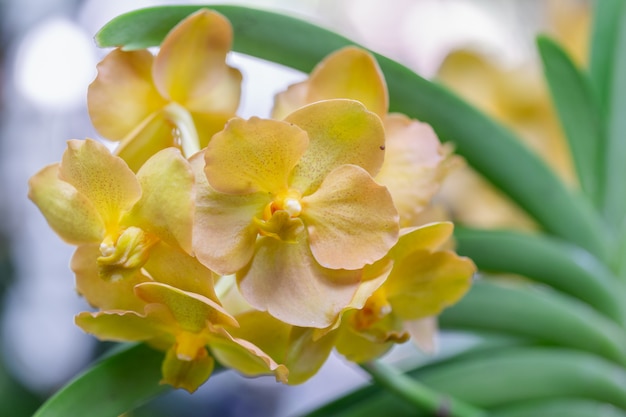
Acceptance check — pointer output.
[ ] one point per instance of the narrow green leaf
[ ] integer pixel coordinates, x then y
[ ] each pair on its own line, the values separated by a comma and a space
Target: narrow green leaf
579, 114
615, 197
523, 374
116, 384
569, 407
551, 261
539, 313
606, 22
490, 148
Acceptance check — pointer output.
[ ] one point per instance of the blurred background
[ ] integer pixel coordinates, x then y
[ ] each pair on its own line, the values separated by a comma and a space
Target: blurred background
483, 50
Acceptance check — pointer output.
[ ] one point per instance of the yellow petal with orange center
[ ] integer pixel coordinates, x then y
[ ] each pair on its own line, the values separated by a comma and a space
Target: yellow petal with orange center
69, 213
351, 219
415, 164
253, 155
102, 178
224, 232
423, 283
285, 280
101, 293
340, 132
244, 356
190, 68
185, 374
123, 95
166, 205
351, 73
191, 311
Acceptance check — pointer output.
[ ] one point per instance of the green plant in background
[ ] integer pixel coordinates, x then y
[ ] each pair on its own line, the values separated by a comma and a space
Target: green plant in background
554, 344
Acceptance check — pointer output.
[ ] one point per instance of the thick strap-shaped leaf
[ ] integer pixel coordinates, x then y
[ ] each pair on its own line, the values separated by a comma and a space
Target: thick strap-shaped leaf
579, 114
118, 383
551, 261
489, 147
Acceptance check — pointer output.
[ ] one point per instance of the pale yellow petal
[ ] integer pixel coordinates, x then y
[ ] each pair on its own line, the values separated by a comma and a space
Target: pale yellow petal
123, 95
174, 267
191, 311
351, 73
253, 155
340, 132
102, 178
424, 333
429, 237
415, 164
190, 68
351, 220
285, 280
166, 205
244, 356
69, 213
105, 294
223, 230
118, 326
290, 100
155, 133
423, 283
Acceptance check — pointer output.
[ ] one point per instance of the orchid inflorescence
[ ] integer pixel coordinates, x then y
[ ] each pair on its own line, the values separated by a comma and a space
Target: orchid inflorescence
263, 244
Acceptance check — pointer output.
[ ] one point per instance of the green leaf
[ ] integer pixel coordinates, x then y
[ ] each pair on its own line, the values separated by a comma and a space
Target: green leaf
579, 114
551, 261
490, 148
569, 407
539, 313
118, 383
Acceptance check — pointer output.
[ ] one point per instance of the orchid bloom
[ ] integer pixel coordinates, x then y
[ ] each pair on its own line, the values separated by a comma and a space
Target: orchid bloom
423, 281
415, 161
180, 97
124, 224
291, 208
184, 324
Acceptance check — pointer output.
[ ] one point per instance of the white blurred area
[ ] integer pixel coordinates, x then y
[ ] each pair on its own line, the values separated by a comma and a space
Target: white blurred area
50, 60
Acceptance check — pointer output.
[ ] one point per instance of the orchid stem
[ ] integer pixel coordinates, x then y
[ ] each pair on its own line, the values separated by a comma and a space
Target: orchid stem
422, 397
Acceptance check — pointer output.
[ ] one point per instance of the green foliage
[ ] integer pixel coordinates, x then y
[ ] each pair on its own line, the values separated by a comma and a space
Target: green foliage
566, 355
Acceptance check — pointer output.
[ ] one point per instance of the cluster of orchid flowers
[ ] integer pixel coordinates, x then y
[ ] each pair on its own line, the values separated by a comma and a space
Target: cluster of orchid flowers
263, 244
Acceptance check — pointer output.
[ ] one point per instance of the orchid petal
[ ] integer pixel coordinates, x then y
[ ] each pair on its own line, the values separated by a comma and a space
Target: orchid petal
224, 232
424, 283
123, 94
351, 220
244, 356
103, 178
253, 155
101, 293
186, 374
415, 164
191, 311
174, 267
69, 213
190, 68
149, 137
166, 205
428, 237
424, 333
290, 100
351, 73
340, 132
285, 280
118, 326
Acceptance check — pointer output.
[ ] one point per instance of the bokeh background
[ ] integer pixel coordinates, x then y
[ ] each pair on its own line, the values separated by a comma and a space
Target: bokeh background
482, 49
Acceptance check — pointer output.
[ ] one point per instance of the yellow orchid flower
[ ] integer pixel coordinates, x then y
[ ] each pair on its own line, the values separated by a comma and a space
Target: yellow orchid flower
128, 228
423, 281
415, 161
180, 97
291, 207
184, 324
